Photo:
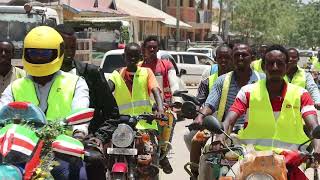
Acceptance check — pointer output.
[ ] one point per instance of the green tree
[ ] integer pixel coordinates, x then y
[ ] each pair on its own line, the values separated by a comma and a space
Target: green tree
265, 21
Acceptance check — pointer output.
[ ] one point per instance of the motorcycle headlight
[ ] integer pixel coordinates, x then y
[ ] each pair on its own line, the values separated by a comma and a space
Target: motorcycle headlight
259, 176
123, 136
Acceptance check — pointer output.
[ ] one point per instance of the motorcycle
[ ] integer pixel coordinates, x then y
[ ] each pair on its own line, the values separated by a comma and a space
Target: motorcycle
134, 153
21, 147
266, 165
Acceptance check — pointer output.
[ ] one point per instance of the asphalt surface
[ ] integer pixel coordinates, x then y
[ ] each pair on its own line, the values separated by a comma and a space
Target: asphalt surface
179, 155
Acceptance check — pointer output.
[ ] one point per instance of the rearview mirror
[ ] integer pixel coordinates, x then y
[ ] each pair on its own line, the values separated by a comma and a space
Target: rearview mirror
80, 117
316, 133
212, 124
189, 110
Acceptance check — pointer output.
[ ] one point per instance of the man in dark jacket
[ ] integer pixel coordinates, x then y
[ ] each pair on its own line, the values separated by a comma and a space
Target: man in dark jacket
101, 99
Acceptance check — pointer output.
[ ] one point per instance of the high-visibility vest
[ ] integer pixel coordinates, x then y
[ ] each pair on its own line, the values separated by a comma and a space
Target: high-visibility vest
224, 94
315, 63
138, 101
299, 78
257, 65
268, 133
212, 79
59, 98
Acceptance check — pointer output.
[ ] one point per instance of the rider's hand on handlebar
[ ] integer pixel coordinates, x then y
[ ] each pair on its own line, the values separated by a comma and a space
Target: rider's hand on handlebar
79, 135
198, 120
160, 113
317, 106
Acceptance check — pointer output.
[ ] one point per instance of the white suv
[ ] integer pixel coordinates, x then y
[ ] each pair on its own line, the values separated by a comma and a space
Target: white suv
194, 64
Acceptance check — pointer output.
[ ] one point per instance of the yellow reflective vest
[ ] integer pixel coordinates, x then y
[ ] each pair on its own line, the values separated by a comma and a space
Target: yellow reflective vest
212, 79
59, 98
257, 65
299, 78
268, 133
138, 101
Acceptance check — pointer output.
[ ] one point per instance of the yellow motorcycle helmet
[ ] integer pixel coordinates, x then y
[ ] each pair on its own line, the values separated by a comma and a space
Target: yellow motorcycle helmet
43, 51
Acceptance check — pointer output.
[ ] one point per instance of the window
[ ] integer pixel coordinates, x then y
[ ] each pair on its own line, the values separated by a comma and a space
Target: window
181, 3
175, 57
113, 62
191, 3
168, 3
204, 60
188, 59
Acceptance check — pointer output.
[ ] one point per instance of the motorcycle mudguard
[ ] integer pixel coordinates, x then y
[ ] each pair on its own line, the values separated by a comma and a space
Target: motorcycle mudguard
10, 172
120, 168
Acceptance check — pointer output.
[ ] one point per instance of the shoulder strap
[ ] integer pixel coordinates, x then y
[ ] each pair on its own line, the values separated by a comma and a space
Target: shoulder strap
224, 94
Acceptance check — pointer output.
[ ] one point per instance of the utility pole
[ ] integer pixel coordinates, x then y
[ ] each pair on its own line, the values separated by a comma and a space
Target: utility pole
178, 23
220, 15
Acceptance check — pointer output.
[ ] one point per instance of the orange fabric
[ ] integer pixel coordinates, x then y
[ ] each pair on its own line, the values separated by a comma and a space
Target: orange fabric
128, 79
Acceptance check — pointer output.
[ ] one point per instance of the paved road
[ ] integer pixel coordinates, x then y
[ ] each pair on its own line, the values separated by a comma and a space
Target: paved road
180, 153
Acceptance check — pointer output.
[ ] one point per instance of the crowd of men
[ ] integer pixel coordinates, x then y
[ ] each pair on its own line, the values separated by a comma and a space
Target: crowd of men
249, 94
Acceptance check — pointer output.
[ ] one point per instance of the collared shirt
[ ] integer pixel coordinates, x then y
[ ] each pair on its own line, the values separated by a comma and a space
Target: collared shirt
213, 99
80, 98
12, 75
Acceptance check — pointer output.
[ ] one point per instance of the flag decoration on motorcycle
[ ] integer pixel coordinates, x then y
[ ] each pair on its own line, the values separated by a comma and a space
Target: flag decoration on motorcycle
80, 116
17, 143
67, 145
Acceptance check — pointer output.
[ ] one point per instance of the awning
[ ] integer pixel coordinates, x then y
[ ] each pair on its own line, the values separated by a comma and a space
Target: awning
143, 11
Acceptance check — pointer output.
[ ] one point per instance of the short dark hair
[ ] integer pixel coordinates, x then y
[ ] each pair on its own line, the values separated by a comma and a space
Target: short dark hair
223, 46
65, 29
236, 46
277, 47
9, 42
296, 50
150, 38
132, 44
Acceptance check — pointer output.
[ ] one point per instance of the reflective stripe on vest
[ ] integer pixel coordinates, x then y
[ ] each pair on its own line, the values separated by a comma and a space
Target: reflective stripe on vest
269, 133
131, 105
299, 78
60, 95
212, 79
138, 101
224, 95
273, 143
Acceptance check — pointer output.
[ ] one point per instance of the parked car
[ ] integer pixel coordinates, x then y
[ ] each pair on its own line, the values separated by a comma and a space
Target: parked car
194, 64
304, 58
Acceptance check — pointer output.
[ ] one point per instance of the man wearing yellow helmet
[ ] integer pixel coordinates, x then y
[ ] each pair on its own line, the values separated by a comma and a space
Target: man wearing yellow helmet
55, 92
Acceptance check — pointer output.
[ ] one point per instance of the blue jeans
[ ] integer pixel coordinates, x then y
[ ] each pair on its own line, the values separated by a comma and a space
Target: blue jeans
64, 170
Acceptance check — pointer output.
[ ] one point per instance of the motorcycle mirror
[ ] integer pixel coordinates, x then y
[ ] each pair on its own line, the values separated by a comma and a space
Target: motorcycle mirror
81, 116
188, 97
178, 93
189, 110
212, 124
316, 133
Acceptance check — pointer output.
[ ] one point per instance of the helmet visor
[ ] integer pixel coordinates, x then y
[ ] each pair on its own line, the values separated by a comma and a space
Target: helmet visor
40, 56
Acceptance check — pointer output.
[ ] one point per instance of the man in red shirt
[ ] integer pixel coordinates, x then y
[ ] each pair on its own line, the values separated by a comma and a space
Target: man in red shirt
166, 76
162, 68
